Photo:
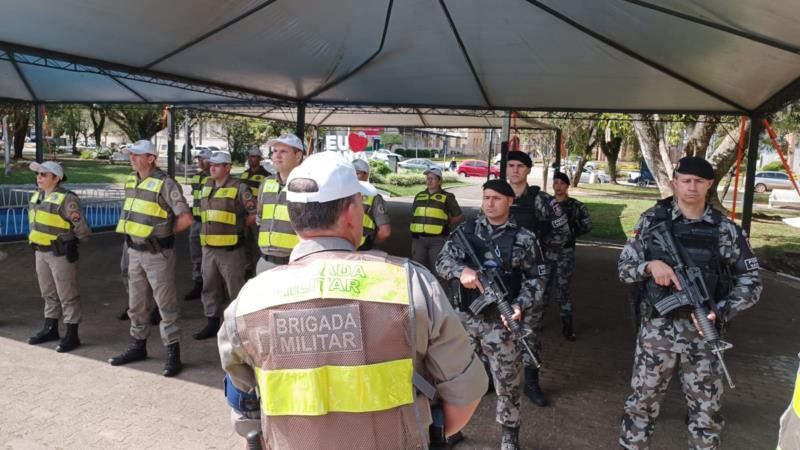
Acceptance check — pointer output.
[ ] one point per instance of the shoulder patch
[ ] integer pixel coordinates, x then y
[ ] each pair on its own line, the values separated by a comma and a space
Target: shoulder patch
175, 195
751, 263
75, 217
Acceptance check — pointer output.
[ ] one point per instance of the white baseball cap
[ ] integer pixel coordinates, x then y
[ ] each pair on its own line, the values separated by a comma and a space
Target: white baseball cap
204, 153
220, 158
143, 147
48, 166
434, 170
360, 165
254, 152
289, 139
335, 179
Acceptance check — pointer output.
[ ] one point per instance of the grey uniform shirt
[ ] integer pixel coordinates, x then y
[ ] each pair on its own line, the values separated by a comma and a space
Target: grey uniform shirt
378, 212
734, 249
444, 355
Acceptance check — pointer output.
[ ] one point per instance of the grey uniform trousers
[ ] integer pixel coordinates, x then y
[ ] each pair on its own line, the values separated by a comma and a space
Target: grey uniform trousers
151, 277
223, 270
195, 251
58, 282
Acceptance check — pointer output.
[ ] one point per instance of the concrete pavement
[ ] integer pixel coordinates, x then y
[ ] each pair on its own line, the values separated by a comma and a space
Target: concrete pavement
78, 401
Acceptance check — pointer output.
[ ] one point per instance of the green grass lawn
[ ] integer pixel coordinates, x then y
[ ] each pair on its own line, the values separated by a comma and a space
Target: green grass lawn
776, 244
626, 191
77, 170
407, 191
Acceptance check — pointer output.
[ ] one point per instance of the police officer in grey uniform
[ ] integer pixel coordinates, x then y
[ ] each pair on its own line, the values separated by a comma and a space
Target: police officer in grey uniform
539, 212
56, 224
377, 226
673, 343
325, 207
223, 200
197, 181
154, 211
253, 175
579, 223
495, 236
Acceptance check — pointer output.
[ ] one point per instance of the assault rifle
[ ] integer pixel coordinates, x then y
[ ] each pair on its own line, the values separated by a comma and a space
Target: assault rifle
693, 293
254, 440
494, 292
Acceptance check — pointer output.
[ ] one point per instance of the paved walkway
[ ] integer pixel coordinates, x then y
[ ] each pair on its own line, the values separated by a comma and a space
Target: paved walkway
77, 401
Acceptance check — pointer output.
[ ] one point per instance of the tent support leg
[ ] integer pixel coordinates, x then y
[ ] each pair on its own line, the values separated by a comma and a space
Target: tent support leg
749, 183
171, 141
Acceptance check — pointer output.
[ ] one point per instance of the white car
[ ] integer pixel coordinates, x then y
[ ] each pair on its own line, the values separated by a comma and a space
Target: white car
383, 155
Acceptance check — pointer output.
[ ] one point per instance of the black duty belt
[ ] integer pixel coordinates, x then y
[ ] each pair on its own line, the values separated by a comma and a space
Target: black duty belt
42, 248
280, 260
152, 244
425, 235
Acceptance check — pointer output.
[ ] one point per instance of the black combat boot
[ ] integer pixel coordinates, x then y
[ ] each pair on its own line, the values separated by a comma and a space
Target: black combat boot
70, 341
197, 289
155, 316
208, 331
137, 351
510, 438
49, 332
123, 315
532, 389
173, 365
567, 331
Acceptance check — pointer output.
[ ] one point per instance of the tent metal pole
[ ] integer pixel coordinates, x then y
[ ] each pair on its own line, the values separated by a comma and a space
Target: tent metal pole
6, 145
756, 126
300, 128
187, 152
38, 118
558, 150
171, 141
504, 135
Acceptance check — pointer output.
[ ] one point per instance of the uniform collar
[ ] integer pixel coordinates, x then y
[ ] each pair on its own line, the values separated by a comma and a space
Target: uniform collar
320, 244
677, 213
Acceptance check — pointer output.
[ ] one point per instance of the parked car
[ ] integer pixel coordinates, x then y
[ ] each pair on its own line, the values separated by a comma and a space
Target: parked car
477, 168
642, 177
383, 155
769, 180
418, 164
599, 177
198, 148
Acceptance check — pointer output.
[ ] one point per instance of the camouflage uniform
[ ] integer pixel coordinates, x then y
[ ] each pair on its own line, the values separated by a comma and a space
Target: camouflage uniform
579, 223
486, 331
672, 340
539, 212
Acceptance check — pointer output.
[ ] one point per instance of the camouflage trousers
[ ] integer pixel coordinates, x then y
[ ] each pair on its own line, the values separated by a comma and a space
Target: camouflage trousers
664, 345
560, 279
533, 317
494, 342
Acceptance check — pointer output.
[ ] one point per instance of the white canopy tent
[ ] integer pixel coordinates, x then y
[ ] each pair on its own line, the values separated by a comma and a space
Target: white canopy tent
689, 56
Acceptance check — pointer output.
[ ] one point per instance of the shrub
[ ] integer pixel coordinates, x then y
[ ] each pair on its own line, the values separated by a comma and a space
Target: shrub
378, 167
87, 154
405, 179
774, 165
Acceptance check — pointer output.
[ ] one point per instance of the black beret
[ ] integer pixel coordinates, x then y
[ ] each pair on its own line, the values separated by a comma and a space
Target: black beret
692, 165
561, 176
521, 157
500, 186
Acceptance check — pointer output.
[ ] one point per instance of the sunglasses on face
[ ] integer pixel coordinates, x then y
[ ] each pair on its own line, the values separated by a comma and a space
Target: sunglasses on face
41, 174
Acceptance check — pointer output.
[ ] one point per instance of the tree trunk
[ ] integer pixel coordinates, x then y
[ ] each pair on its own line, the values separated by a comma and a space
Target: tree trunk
21, 121
703, 129
722, 159
612, 168
653, 151
98, 118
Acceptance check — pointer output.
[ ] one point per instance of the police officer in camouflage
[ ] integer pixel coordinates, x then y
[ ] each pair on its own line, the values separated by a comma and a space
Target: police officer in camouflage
495, 235
579, 223
720, 249
539, 212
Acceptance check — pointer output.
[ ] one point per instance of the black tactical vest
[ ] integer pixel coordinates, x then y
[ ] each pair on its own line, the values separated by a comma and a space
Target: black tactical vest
524, 212
501, 251
700, 242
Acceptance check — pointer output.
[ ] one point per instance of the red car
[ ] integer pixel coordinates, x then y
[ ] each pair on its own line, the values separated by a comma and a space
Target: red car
477, 168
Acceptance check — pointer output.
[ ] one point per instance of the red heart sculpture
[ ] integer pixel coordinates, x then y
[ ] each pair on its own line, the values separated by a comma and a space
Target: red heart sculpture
357, 141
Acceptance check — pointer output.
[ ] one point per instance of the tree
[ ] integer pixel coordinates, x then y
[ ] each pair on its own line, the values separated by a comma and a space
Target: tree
583, 136
141, 122
98, 115
653, 136
614, 129
69, 120
243, 134
19, 116
390, 139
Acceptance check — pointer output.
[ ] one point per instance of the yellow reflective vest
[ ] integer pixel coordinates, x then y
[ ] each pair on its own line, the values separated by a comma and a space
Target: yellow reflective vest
275, 234
340, 338
430, 215
45, 218
142, 210
369, 224
220, 223
253, 178
789, 435
197, 182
